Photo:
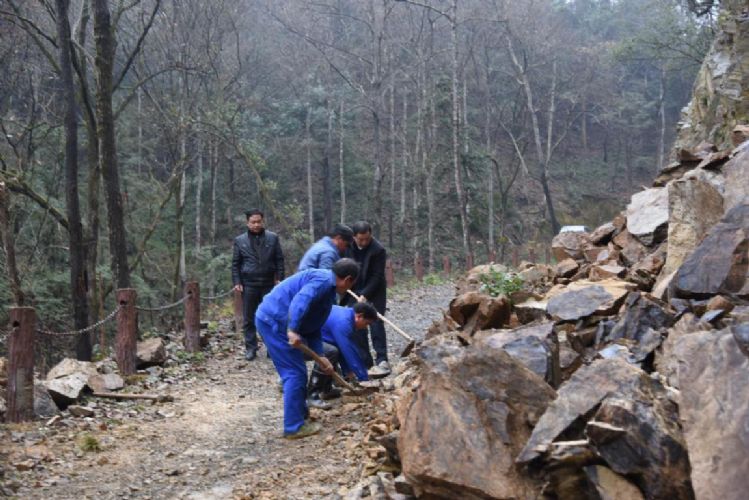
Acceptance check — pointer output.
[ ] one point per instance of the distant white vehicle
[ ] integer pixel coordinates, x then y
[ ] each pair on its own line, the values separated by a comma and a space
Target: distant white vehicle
573, 229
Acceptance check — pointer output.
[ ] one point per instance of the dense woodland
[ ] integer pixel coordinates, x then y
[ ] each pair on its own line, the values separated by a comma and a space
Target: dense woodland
136, 132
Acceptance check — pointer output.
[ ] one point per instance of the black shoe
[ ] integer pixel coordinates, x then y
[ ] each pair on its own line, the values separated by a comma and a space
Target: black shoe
250, 355
331, 393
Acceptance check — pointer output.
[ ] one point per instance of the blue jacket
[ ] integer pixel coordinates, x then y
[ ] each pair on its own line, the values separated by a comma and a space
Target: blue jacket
301, 303
338, 330
322, 255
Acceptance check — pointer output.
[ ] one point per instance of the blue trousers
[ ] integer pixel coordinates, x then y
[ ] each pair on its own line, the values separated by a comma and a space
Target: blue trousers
289, 363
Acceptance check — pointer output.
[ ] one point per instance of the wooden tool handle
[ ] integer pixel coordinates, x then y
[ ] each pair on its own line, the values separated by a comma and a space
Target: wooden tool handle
312, 354
383, 318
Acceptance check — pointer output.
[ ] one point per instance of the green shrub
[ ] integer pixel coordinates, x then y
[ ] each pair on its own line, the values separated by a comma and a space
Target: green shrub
497, 283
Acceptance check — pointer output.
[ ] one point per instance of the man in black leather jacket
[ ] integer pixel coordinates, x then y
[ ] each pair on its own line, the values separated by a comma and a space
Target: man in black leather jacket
256, 266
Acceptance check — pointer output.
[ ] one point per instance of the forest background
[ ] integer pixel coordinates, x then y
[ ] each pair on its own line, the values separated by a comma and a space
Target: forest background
136, 132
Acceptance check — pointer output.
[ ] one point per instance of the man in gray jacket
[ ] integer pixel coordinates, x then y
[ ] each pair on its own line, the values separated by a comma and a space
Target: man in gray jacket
256, 266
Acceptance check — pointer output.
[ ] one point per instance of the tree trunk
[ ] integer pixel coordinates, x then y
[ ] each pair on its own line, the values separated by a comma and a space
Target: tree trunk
213, 158
404, 169
429, 167
198, 196
78, 285
9, 246
662, 113
341, 169
310, 204
391, 195
326, 188
104, 61
459, 189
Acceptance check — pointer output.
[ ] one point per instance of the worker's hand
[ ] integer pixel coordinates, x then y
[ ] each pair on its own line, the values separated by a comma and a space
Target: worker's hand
326, 366
238, 288
294, 338
362, 298
351, 377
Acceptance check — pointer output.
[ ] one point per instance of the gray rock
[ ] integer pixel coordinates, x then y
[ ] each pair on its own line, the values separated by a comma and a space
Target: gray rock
80, 411
720, 263
569, 245
712, 374
68, 389
533, 345
695, 205
736, 172
151, 352
576, 304
44, 406
69, 366
647, 216
643, 313
472, 410
106, 382
583, 392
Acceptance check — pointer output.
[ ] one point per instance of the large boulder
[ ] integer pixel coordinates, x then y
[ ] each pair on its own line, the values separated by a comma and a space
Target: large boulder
632, 250
628, 421
68, 379
583, 298
569, 245
720, 263
44, 405
736, 172
472, 412
151, 352
695, 205
533, 345
643, 313
647, 216
712, 375
475, 311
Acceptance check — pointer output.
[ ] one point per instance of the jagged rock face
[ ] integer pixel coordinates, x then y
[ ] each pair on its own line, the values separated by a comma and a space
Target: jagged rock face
695, 205
472, 412
534, 345
720, 263
719, 100
712, 374
569, 245
736, 172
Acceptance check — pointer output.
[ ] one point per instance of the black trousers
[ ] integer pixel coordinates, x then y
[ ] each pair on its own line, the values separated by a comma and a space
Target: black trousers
379, 342
318, 381
252, 296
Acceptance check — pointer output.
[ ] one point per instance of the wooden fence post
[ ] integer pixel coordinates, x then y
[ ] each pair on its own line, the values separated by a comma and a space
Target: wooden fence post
389, 275
492, 256
20, 396
192, 316
238, 313
127, 331
532, 254
419, 268
515, 257
547, 255
469, 262
446, 265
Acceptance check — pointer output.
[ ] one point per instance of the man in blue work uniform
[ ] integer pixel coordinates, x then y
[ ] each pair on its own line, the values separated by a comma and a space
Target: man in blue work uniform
292, 313
338, 339
326, 251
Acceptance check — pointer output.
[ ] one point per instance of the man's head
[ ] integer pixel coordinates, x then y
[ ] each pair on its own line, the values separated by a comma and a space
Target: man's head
255, 220
362, 234
364, 315
342, 236
346, 271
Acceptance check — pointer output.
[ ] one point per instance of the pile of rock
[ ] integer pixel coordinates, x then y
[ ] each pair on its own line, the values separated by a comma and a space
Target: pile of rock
69, 381
617, 373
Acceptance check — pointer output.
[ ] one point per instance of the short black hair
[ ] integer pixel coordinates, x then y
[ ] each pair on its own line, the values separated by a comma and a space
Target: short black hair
346, 267
343, 231
254, 211
366, 309
361, 227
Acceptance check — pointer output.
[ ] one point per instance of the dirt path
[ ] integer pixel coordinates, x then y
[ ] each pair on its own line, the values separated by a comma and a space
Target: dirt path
220, 438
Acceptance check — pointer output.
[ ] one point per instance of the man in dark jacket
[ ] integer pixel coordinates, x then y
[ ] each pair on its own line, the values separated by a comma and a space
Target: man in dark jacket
371, 287
256, 266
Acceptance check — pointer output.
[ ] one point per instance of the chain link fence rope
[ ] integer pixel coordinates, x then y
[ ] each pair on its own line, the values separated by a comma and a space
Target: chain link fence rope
109, 317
